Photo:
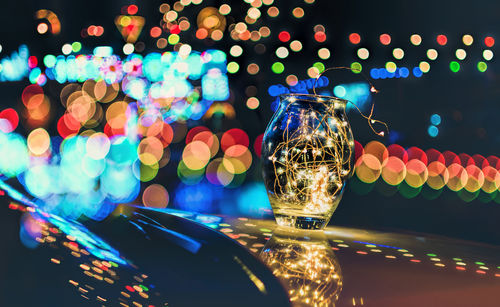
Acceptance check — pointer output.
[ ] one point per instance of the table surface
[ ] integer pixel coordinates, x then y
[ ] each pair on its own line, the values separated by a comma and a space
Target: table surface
220, 260
383, 268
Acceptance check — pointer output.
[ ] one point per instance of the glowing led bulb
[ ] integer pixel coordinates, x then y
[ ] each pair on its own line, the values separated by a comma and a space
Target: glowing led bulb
282, 52
432, 54
363, 53
467, 39
236, 51
416, 39
487, 54
391, 67
398, 53
460, 54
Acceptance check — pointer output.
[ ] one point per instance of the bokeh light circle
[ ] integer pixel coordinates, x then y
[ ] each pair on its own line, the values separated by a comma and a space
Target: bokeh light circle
38, 141
155, 196
196, 155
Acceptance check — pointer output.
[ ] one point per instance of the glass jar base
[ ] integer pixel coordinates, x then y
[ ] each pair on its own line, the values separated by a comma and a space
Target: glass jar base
300, 222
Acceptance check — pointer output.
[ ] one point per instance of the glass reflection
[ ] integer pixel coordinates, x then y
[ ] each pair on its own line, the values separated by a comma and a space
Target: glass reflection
306, 266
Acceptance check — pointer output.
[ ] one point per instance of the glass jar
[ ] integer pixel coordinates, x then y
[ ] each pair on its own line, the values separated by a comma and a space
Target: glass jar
308, 153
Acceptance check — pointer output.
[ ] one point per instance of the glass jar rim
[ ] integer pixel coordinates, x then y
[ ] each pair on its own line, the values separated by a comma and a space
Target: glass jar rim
313, 97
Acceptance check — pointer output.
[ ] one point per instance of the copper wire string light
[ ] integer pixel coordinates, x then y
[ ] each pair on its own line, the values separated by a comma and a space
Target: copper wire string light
369, 118
308, 153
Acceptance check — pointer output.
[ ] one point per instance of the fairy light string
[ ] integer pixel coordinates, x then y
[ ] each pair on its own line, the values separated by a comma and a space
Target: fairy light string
310, 152
311, 155
371, 121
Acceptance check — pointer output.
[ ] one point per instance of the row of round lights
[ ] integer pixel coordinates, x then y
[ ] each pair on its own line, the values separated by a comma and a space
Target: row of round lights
416, 40
417, 167
432, 54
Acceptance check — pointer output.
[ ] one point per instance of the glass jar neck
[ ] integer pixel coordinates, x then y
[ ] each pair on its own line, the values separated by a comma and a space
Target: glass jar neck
315, 102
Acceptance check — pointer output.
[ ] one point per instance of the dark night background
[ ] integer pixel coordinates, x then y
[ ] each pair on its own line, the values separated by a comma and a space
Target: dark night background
467, 101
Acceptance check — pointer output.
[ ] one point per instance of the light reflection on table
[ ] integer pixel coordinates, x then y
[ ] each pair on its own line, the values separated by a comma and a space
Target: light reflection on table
383, 268
306, 265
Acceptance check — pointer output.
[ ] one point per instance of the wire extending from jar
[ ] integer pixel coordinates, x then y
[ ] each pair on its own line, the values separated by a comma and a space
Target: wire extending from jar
369, 118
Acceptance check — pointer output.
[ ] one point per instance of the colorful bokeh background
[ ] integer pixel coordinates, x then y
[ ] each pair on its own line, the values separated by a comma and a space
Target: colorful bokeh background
164, 104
